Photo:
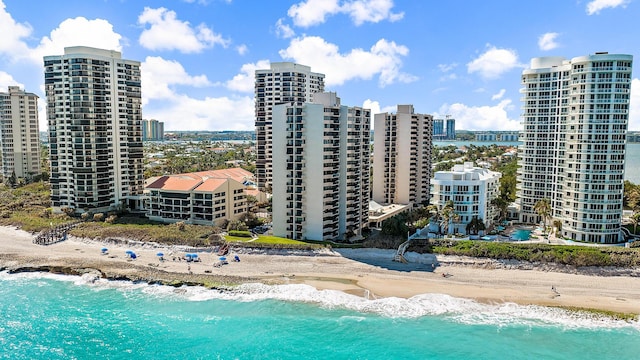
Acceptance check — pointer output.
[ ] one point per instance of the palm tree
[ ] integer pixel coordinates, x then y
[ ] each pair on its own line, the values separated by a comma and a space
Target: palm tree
447, 215
543, 208
635, 220
475, 225
502, 205
557, 224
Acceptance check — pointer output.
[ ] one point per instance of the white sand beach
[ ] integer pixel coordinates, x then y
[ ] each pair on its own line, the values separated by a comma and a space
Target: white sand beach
363, 272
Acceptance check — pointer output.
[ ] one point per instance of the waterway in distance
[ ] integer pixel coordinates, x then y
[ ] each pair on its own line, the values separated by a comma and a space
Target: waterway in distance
632, 158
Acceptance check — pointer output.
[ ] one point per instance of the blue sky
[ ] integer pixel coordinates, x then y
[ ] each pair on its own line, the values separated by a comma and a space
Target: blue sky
456, 57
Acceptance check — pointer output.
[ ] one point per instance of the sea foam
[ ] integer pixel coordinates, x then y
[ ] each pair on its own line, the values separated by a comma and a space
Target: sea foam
464, 311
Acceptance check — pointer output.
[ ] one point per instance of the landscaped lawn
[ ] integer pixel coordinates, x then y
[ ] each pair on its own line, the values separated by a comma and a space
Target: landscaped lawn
265, 239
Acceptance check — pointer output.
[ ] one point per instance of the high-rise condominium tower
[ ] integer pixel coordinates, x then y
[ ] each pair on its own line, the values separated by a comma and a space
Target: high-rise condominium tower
19, 135
152, 130
321, 158
575, 115
402, 157
95, 134
282, 83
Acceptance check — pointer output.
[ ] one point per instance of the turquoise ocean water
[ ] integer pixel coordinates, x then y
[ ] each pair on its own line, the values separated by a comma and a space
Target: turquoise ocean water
45, 316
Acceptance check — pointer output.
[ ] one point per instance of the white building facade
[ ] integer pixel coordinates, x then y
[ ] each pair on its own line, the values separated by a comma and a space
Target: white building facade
321, 158
95, 130
282, 83
402, 157
472, 190
19, 136
575, 116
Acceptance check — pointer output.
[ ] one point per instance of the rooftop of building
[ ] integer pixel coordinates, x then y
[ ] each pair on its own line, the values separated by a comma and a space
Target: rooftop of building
200, 181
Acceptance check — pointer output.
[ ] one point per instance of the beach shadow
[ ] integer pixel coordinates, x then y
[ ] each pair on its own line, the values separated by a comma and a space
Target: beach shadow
384, 259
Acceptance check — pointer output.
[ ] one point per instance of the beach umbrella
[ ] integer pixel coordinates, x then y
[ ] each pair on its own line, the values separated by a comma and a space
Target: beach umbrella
194, 255
160, 254
128, 252
104, 249
222, 258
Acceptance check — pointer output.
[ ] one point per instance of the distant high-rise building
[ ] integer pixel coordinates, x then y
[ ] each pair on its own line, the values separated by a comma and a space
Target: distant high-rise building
282, 83
321, 155
438, 129
451, 128
402, 157
575, 116
95, 130
19, 137
152, 130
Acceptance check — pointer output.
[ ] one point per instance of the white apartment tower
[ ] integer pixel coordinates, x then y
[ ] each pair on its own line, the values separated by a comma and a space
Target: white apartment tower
575, 116
282, 83
19, 137
472, 189
95, 135
402, 157
321, 158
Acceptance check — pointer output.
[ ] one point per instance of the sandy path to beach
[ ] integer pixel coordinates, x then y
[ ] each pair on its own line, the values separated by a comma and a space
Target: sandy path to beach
364, 272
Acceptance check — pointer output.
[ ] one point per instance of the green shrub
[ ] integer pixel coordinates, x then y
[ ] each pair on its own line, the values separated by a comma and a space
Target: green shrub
240, 233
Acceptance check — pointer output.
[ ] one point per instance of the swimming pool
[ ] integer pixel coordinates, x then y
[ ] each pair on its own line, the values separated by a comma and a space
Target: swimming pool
521, 235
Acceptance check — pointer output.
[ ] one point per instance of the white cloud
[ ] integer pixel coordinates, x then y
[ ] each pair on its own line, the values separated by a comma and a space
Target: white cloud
371, 11
162, 100
13, 33
499, 95
242, 49
78, 32
481, 117
186, 113
383, 59
7, 80
447, 67
375, 108
595, 6
159, 77
166, 32
494, 62
244, 81
283, 30
314, 12
548, 41
634, 106
448, 77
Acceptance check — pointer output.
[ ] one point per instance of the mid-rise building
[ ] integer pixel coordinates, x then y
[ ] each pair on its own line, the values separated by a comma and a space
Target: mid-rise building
472, 190
575, 116
402, 157
152, 130
486, 136
95, 130
19, 136
282, 83
204, 198
321, 155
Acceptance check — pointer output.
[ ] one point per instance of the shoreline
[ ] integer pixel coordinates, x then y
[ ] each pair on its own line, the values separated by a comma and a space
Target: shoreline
362, 272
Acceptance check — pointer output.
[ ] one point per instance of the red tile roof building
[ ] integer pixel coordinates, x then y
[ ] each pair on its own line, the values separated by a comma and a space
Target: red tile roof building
204, 198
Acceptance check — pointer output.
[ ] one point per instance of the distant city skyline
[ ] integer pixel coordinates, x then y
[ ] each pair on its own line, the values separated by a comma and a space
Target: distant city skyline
456, 58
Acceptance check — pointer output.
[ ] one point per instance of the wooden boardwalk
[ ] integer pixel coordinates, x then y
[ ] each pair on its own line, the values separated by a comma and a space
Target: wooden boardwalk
55, 235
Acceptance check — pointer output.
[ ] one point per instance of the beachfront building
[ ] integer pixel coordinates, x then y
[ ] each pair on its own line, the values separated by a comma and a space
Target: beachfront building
575, 116
321, 155
19, 136
152, 130
472, 190
486, 136
402, 157
95, 135
282, 83
204, 198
